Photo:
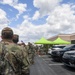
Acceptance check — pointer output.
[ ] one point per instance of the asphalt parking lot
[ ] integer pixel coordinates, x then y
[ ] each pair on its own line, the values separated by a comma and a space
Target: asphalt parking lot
46, 66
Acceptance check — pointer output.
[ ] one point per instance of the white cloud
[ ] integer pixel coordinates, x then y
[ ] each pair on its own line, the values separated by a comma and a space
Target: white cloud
14, 3
6, 2
3, 19
36, 15
45, 6
9, 2
62, 18
26, 17
21, 8
30, 32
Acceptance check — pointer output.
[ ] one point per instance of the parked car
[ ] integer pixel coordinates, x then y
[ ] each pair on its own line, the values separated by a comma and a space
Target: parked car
69, 58
49, 51
57, 54
55, 47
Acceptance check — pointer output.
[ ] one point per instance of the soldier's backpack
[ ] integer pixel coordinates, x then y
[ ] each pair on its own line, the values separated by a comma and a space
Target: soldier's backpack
6, 67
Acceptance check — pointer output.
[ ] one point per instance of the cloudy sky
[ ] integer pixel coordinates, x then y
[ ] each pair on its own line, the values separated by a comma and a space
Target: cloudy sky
33, 19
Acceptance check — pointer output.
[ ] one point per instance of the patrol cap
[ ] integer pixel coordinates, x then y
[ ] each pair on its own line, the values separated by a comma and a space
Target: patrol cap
7, 29
15, 36
7, 32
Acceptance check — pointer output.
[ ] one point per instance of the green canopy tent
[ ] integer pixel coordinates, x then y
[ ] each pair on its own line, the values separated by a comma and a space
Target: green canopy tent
43, 41
60, 41
46, 44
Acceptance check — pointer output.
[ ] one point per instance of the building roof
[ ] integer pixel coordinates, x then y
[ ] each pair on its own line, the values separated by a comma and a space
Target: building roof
66, 37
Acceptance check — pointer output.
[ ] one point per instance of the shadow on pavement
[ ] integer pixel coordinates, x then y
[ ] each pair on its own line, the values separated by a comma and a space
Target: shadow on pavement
68, 68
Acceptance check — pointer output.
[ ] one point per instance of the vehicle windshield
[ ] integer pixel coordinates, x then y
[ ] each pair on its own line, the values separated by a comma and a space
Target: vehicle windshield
68, 47
58, 46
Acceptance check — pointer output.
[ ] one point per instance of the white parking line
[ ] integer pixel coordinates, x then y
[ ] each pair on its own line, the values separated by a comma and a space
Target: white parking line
46, 60
55, 64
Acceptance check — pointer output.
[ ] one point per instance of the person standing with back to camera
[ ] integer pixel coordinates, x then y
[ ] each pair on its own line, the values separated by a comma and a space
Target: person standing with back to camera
11, 55
25, 54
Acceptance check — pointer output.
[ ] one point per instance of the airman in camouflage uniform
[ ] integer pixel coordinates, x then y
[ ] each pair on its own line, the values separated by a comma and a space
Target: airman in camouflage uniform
22, 45
15, 38
12, 58
31, 52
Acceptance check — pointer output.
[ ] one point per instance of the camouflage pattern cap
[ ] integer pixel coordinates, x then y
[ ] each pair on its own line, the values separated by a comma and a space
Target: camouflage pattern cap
7, 29
15, 36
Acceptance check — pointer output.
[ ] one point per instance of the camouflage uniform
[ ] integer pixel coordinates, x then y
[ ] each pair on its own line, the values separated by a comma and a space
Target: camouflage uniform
31, 52
14, 57
15, 38
24, 52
